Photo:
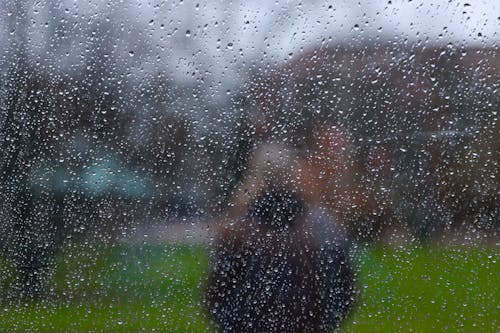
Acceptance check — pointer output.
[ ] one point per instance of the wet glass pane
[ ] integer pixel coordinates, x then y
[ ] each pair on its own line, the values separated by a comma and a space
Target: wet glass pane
249, 166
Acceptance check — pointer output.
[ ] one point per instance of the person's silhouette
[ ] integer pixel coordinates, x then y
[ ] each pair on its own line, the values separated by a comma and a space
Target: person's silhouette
282, 266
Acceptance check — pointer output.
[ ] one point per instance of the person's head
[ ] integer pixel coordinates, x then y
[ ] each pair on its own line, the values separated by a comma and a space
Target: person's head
274, 167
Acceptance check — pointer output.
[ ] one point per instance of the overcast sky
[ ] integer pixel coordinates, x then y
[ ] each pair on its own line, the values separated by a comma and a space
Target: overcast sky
221, 40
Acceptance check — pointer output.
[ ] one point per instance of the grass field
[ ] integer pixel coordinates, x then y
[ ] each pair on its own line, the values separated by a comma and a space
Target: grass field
158, 289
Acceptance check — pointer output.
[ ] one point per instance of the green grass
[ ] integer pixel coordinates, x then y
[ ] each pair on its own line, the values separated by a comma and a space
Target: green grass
119, 289
428, 290
155, 288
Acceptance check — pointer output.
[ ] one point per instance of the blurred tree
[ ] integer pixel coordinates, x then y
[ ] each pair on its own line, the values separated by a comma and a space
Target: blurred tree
52, 125
20, 148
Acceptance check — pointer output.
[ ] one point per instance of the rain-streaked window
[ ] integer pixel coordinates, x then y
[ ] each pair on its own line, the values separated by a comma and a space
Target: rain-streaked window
249, 166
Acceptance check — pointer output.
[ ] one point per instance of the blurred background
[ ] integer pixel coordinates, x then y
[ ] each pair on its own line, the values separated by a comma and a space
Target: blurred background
125, 127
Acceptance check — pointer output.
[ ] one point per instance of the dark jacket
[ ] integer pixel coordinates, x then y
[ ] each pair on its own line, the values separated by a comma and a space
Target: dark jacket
284, 267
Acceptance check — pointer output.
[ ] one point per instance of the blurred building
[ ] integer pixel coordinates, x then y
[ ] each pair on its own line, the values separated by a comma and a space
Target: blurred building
418, 125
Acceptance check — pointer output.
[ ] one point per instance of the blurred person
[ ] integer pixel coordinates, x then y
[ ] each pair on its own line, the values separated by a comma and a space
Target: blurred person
334, 178
281, 262
327, 172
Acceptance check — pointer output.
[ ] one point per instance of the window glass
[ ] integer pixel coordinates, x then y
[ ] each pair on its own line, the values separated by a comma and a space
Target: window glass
249, 166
